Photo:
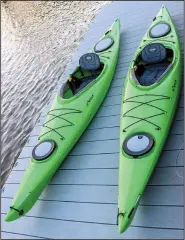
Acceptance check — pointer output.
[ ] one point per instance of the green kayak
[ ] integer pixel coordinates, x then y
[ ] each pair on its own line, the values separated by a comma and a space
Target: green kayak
149, 102
71, 112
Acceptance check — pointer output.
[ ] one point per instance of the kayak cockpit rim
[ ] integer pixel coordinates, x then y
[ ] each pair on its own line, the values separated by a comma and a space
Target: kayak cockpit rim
90, 82
133, 69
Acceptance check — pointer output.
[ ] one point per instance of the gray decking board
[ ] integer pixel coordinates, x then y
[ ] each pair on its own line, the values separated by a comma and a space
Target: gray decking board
163, 176
98, 214
9, 235
167, 159
89, 141
81, 199
82, 230
111, 146
153, 195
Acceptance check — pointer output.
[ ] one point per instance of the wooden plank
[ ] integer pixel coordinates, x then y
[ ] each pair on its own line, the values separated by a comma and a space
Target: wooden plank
109, 146
161, 176
83, 162
177, 128
171, 159
9, 235
140, 15
153, 195
82, 230
167, 159
143, 19
104, 213
83, 212
139, 19
164, 217
141, 10
36, 130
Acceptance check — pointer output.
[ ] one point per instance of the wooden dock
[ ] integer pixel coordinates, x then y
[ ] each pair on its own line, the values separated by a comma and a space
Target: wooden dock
81, 200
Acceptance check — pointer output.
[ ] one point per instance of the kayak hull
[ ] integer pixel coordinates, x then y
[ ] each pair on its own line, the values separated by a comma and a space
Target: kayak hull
149, 110
65, 123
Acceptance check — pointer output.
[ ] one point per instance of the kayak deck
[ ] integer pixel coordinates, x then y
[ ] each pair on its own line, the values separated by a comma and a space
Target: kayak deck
81, 199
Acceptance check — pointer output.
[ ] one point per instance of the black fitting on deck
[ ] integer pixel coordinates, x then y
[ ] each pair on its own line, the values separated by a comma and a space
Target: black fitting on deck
119, 214
21, 212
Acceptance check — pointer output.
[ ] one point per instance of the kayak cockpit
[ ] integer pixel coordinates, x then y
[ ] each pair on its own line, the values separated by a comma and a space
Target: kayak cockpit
88, 70
151, 64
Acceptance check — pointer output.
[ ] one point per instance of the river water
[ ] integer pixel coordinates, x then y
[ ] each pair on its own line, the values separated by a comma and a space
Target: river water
38, 39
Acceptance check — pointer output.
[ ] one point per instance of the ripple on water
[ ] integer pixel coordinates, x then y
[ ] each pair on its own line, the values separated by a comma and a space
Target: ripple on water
38, 40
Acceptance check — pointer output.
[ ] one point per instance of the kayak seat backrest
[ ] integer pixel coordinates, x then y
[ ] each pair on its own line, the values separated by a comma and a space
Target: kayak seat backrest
89, 62
154, 53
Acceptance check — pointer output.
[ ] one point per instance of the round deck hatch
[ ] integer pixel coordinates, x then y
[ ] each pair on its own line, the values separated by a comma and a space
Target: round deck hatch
43, 150
103, 44
159, 30
138, 144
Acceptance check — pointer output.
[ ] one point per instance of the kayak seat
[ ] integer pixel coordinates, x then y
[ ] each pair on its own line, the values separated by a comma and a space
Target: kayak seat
152, 63
85, 82
154, 53
89, 69
152, 73
88, 62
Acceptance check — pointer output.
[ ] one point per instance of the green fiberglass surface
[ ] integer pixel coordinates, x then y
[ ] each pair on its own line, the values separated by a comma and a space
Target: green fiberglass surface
146, 110
67, 119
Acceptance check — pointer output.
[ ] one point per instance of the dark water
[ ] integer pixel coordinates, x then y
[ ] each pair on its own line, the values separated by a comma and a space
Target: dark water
38, 40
